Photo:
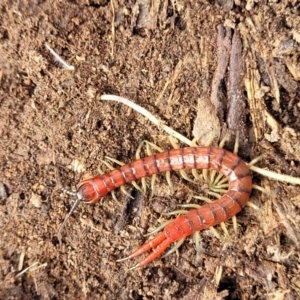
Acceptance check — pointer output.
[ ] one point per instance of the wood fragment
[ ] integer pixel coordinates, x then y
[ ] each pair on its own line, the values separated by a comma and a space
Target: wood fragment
223, 51
236, 108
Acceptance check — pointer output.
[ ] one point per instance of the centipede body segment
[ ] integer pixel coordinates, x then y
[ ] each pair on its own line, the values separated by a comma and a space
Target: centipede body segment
211, 214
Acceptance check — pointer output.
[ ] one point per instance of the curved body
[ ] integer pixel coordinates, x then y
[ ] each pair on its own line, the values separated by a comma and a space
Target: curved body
227, 163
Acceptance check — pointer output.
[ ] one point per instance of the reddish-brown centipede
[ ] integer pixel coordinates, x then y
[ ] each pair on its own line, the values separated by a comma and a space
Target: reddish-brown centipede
227, 163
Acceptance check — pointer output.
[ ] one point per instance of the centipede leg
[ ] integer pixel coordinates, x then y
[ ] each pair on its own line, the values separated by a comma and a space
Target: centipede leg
261, 189
153, 177
182, 173
175, 247
156, 241
212, 180
234, 224
197, 241
224, 228
122, 188
205, 173
159, 228
215, 233
254, 206
153, 255
138, 156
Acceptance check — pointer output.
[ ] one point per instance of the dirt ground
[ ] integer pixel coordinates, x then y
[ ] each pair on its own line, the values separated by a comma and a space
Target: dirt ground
164, 56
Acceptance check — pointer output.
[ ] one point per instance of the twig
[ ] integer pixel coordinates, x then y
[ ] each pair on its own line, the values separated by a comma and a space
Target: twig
113, 34
223, 50
236, 113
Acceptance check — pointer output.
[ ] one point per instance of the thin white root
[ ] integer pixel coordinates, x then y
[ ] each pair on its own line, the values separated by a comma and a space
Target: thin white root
148, 115
35, 266
61, 62
157, 122
276, 176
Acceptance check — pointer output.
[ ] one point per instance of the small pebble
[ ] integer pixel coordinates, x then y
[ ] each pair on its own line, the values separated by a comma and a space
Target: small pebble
36, 200
3, 193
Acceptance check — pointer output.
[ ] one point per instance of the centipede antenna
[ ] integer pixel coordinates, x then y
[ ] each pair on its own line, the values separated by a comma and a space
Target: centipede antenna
68, 216
58, 181
59, 184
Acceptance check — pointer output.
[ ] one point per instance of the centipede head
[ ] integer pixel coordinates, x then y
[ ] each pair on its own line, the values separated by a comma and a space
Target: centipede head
87, 192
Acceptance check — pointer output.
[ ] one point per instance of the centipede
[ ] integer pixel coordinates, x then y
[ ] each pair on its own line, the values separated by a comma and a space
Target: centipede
227, 206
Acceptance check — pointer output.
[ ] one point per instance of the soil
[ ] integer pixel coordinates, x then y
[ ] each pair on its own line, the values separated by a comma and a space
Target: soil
161, 55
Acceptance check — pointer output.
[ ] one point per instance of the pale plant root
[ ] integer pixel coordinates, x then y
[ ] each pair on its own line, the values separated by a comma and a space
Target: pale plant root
172, 132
